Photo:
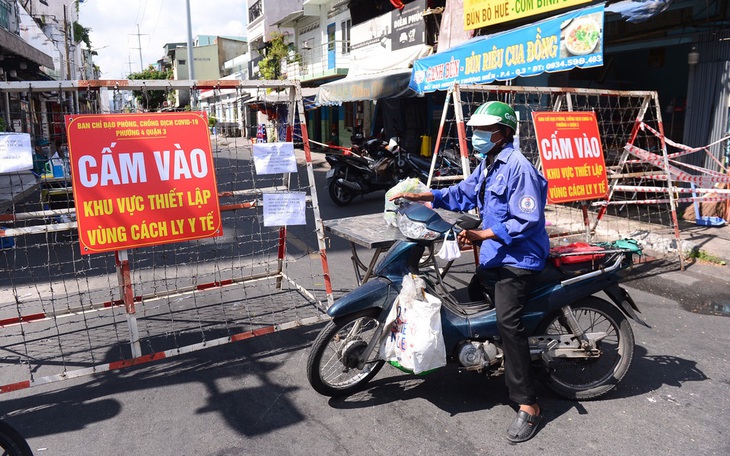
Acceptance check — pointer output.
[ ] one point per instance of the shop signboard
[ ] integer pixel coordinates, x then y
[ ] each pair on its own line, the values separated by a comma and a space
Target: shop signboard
142, 179
571, 155
561, 43
398, 29
483, 13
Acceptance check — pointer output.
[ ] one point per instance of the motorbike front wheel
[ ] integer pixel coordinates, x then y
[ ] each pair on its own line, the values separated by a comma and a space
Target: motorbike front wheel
580, 378
332, 364
341, 196
12, 443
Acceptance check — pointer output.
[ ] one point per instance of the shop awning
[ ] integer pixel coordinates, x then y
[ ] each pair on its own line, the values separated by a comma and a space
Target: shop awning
382, 76
273, 98
16, 45
391, 84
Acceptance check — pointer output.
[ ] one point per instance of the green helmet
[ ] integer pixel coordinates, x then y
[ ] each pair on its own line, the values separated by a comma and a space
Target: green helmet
494, 112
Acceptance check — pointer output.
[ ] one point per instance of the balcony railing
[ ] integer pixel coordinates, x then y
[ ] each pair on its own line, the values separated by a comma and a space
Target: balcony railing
255, 11
319, 61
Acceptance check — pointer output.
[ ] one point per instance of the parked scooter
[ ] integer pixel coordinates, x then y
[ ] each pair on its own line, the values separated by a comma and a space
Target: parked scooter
377, 166
581, 345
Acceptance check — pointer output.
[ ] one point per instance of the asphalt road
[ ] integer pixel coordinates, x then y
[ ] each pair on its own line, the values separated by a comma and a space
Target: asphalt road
252, 397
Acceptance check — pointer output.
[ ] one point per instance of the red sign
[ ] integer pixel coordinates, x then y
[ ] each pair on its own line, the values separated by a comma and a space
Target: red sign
142, 179
571, 155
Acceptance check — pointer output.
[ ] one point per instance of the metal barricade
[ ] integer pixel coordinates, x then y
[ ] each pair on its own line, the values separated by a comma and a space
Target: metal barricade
64, 314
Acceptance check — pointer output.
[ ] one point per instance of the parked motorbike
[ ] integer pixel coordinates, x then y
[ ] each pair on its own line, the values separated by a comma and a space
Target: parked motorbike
376, 165
581, 345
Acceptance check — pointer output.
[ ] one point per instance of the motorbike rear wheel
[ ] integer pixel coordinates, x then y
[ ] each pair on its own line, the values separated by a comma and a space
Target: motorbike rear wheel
341, 196
590, 378
332, 364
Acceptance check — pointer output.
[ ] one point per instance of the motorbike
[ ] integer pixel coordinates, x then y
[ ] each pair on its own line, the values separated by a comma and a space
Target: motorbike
581, 345
375, 165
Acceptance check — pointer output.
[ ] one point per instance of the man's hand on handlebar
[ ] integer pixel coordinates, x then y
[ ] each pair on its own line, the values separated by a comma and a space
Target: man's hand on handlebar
468, 237
463, 238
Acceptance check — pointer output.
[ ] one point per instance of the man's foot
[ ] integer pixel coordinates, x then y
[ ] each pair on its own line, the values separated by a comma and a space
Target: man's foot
525, 424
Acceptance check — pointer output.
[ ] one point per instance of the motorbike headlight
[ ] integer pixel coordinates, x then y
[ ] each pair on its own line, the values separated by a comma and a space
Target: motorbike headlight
415, 230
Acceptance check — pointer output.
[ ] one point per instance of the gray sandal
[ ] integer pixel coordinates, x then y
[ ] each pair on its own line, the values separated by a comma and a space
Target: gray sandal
524, 427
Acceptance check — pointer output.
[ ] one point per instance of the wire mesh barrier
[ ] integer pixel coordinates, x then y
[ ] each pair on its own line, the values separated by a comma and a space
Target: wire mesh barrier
641, 189
65, 314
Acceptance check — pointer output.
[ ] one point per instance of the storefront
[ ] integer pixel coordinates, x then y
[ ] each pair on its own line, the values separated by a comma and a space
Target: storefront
375, 94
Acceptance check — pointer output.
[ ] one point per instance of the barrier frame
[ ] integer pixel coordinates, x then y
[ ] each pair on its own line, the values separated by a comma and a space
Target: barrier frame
123, 271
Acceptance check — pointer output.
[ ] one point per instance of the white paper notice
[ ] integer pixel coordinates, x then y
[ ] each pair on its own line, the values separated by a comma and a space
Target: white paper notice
281, 209
15, 152
274, 158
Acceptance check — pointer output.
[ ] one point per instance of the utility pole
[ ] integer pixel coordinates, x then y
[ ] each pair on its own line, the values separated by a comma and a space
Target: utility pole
65, 42
191, 61
139, 44
191, 70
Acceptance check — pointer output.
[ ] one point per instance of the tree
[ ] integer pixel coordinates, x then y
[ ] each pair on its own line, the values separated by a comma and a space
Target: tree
277, 51
81, 33
151, 100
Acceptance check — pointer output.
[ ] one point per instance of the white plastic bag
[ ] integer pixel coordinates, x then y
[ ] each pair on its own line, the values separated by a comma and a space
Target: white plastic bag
410, 185
414, 341
449, 250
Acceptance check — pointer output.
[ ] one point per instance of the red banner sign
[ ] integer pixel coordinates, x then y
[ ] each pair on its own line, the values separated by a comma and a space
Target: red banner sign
571, 155
142, 179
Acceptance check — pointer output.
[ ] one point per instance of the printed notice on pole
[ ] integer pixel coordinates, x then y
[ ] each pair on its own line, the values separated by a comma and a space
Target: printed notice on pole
571, 155
282, 209
274, 158
142, 179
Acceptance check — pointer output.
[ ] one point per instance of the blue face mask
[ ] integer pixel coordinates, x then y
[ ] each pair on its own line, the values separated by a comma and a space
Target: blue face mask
482, 143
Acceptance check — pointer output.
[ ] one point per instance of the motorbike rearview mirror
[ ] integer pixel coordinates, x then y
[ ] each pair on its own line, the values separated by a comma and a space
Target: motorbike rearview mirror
392, 144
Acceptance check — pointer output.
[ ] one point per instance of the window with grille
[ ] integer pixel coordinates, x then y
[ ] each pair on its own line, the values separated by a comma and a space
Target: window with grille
346, 36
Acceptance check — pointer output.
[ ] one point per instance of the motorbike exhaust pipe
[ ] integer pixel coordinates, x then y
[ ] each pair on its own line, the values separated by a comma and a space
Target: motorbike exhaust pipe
348, 184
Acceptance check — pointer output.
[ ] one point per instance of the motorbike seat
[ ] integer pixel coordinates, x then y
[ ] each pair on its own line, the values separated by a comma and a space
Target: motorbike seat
550, 273
418, 161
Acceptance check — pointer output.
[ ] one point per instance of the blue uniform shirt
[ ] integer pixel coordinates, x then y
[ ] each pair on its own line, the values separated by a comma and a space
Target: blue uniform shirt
512, 204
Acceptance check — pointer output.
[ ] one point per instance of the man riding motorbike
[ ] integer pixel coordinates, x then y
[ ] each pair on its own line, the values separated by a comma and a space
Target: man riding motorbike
511, 196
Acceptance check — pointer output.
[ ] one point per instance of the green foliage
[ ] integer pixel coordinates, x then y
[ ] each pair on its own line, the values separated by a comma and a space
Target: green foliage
151, 100
212, 121
81, 34
701, 255
277, 51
